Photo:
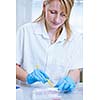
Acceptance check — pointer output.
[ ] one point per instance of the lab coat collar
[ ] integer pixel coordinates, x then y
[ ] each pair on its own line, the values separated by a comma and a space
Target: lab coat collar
43, 32
63, 35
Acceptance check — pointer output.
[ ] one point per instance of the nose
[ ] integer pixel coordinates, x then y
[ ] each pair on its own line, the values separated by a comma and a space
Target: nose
57, 19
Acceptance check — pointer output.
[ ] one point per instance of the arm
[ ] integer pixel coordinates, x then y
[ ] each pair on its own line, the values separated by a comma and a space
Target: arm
75, 75
36, 75
20, 73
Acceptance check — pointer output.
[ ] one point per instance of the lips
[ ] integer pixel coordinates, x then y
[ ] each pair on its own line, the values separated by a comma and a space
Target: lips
55, 23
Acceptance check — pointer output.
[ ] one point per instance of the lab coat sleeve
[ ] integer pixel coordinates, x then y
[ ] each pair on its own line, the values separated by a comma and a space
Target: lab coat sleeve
19, 45
77, 53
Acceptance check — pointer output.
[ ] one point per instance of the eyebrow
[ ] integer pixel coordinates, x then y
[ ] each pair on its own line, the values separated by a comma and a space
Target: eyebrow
62, 11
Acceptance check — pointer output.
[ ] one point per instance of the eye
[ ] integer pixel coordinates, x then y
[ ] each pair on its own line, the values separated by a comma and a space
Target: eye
63, 14
53, 12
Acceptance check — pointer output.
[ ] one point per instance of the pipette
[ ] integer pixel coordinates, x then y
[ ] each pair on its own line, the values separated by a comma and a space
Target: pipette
37, 66
49, 81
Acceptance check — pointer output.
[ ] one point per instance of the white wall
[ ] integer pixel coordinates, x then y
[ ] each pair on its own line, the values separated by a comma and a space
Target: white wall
36, 8
23, 12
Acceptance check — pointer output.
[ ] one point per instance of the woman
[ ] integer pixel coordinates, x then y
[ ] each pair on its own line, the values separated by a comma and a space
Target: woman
50, 43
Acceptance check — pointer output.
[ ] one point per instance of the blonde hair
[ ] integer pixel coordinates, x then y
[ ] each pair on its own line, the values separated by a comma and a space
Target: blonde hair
68, 4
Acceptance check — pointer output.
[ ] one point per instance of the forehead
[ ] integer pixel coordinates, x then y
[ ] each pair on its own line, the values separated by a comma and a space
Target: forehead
56, 5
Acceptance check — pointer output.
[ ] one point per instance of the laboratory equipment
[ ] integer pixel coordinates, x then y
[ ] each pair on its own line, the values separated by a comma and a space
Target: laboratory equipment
46, 94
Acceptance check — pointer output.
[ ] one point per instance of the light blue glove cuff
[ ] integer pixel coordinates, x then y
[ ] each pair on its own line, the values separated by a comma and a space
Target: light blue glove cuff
30, 79
69, 79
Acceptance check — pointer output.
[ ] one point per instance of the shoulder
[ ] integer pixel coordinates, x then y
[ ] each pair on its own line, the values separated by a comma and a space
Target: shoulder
26, 26
29, 27
76, 35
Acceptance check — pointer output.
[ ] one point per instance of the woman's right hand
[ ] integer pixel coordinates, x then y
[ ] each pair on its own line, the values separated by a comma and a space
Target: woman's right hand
37, 76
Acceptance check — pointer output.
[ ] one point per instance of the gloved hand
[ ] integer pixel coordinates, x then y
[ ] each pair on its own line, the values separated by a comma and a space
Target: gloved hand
66, 84
37, 75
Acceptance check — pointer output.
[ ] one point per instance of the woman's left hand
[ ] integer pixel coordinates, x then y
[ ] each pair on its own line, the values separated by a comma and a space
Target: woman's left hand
66, 84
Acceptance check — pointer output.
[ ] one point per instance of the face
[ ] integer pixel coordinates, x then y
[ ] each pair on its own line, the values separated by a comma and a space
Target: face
55, 15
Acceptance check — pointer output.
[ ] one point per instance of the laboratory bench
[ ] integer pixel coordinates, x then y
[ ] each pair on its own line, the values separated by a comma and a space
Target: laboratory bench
25, 93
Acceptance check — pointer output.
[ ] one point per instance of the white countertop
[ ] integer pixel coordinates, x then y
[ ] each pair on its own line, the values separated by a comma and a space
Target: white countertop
25, 93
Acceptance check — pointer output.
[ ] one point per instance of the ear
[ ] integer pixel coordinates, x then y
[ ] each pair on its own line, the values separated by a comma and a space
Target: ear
44, 5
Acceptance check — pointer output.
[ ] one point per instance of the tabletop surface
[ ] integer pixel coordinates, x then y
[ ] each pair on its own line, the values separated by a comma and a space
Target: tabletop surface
25, 93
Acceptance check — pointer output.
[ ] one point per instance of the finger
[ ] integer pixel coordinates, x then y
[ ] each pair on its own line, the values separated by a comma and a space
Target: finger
36, 75
41, 76
67, 85
71, 87
44, 74
68, 89
61, 86
59, 83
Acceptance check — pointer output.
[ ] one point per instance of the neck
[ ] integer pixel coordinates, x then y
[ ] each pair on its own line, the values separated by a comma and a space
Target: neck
49, 29
51, 36
51, 32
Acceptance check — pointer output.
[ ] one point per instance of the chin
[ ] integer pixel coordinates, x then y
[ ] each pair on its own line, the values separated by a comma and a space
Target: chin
54, 27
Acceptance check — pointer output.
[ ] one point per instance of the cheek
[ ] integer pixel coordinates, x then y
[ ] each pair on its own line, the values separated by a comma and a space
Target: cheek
49, 16
63, 20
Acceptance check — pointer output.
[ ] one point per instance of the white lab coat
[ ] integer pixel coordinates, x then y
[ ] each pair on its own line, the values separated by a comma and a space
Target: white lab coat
34, 48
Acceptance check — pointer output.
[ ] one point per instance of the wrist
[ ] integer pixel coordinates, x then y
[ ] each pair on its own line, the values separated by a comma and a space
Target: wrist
29, 79
70, 79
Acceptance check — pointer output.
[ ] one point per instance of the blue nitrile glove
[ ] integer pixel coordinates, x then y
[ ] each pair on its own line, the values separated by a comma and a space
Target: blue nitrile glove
37, 76
66, 84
